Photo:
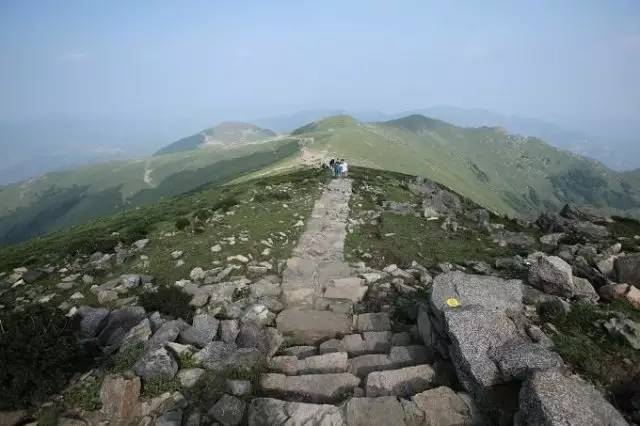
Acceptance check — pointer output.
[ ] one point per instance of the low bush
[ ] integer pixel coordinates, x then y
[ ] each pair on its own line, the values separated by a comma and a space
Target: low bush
38, 355
225, 204
182, 223
126, 358
551, 310
159, 385
169, 300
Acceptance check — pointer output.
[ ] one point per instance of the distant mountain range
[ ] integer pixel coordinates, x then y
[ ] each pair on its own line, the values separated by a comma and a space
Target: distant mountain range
506, 173
226, 133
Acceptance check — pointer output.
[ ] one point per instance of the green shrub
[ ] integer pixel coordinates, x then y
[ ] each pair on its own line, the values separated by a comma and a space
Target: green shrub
169, 300
225, 204
182, 223
126, 358
85, 395
202, 215
207, 390
551, 310
159, 385
38, 354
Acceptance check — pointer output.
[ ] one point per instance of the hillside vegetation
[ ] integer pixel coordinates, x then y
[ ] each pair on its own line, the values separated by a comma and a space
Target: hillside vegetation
509, 174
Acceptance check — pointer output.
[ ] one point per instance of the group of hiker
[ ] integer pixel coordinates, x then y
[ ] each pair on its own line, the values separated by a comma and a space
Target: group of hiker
339, 168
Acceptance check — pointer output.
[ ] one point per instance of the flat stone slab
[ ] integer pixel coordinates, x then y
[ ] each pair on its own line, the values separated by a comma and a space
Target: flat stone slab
270, 411
365, 364
383, 411
352, 289
442, 406
403, 382
336, 362
310, 326
317, 388
373, 322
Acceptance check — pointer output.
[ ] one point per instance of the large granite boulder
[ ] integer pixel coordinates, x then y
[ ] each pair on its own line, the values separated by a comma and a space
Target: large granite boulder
550, 398
156, 364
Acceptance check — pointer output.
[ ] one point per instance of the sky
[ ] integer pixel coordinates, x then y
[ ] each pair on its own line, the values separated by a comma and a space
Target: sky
187, 64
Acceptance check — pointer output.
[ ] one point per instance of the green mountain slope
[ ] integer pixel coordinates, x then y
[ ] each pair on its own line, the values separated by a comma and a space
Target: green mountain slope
226, 133
507, 173
62, 199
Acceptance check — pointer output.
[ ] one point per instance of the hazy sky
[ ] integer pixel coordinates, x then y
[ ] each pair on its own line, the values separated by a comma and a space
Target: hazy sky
576, 62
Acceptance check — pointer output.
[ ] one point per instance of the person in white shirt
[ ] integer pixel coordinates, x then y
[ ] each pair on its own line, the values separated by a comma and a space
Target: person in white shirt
344, 168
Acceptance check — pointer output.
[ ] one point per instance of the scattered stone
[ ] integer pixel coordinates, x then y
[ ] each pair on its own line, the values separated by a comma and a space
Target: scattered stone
518, 359
197, 274
190, 376
624, 329
176, 254
229, 410
552, 275
137, 334
155, 364
92, 320
627, 269
552, 239
229, 330
239, 387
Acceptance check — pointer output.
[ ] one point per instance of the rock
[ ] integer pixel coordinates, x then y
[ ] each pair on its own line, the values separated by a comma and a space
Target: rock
550, 398
119, 322
552, 275
197, 274
365, 364
229, 330
168, 332
491, 293
373, 322
402, 356
473, 332
229, 410
591, 231
624, 329
12, 418
321, 388
265, 287
336, 362
403, 382
177, 254
76, 296
424, 325
215, 353
190, 376
180, 350
583, 290
92, 320
285, 364
518, 359
352, 289
216, 249
371, 277
107, 296
269, 411
155, 364
401, 339
442, 406
203, 330
140, 244
258, 314
238, 387
137, 334
65, 286
170, 418
377, 341
119, 397
552, 239
311, 326
627, 269
300, 352
381, 411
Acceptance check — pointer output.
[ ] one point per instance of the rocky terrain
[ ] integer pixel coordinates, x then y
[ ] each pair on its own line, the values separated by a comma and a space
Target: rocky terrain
300, 299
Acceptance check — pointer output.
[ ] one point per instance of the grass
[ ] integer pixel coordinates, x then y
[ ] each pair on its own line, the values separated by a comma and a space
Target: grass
125, 359
168, 300
591, 350
401, 239
159, 385
85, 395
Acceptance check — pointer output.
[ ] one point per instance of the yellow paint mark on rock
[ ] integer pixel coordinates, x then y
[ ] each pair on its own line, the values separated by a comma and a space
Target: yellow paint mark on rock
452, 302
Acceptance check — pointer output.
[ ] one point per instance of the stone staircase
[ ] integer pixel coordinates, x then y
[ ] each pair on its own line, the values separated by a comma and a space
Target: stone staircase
340, 368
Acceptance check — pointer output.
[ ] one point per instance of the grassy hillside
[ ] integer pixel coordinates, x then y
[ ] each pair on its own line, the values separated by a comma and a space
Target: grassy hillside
506, 173
226, 133
63, 199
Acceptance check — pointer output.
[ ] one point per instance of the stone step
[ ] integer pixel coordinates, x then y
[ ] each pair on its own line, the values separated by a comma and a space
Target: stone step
379, 321
317, 388
309, 327
300, 352
403, 382
399, 356
271, 411
336, 362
